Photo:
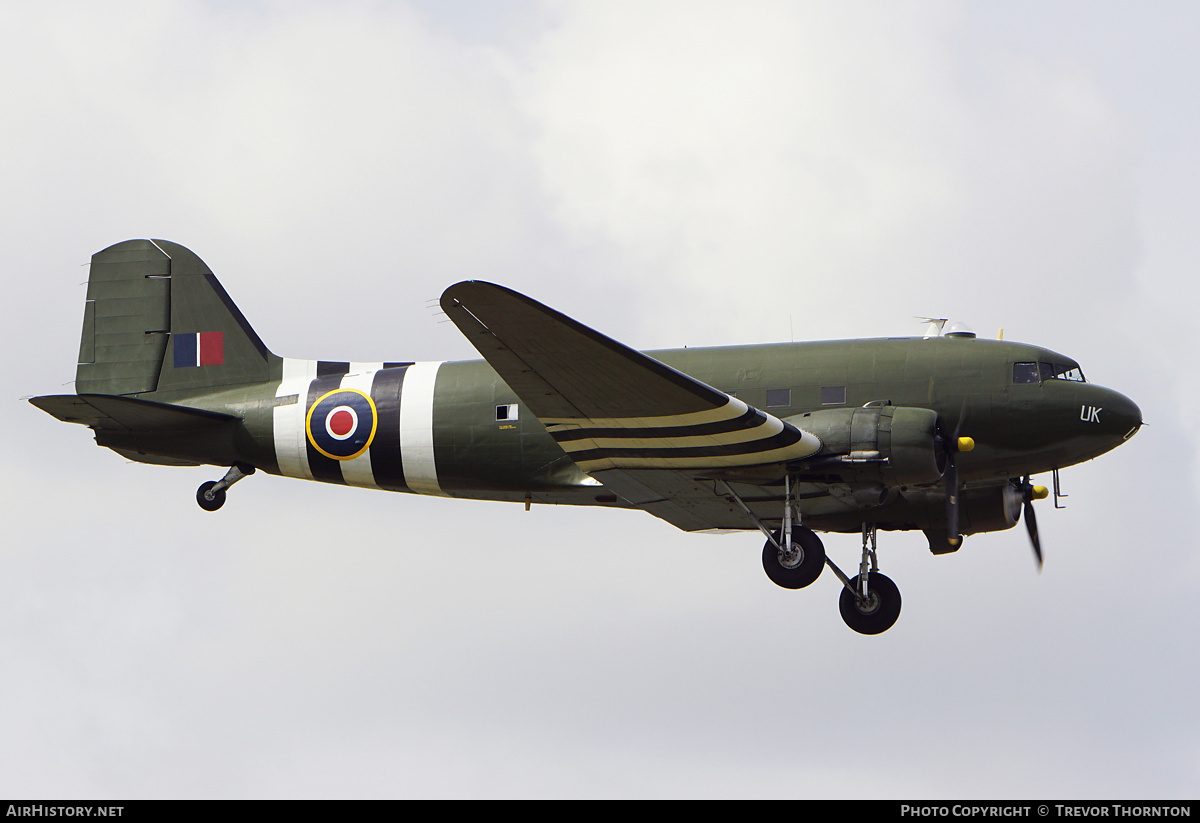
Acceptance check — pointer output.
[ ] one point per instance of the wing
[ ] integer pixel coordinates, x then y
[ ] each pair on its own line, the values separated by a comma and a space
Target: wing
653, 435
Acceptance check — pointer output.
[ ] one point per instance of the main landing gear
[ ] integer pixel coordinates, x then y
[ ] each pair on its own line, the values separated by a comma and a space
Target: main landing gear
211, 495
870, 601
794, 557
797, 566
870, 605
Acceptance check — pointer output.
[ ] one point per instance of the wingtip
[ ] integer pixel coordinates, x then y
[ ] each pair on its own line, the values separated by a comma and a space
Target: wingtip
465, 289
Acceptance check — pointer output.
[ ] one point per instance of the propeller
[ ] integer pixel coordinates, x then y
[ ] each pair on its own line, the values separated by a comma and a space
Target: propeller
1029, 493
952, 446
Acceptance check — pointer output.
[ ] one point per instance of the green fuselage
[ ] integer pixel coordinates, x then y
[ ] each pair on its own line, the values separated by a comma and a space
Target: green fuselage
1019, 428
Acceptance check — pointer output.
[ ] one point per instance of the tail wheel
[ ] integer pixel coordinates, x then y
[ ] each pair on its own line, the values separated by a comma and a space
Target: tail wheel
875, 613
799, 569
202, 497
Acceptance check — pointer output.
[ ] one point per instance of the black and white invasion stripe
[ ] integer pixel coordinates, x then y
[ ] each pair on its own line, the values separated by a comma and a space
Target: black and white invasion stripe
400, 456
734, 434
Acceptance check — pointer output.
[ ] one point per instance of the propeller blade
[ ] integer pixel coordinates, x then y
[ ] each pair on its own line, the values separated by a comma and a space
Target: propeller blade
1031, 527
951, 478
952, 446
1031, 521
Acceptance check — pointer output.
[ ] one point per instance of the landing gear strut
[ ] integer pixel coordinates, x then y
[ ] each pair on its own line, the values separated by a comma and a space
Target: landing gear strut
793, 557
211, 495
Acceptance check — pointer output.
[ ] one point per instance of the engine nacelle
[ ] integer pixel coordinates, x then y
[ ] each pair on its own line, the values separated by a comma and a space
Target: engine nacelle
893, 445
990, 510
986, 509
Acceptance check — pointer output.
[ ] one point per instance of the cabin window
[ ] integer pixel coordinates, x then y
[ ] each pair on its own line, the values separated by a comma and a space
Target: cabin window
1025, 373
833, 395
506, 412
779, 398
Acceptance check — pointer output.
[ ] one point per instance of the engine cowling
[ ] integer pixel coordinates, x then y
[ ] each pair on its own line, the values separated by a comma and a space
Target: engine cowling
893, 445
989, 509
992, 509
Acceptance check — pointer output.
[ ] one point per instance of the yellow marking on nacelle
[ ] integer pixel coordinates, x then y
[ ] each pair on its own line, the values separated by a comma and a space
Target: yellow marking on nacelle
965, 444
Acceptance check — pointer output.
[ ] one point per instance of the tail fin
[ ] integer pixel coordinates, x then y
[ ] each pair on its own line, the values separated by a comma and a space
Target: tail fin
157, 320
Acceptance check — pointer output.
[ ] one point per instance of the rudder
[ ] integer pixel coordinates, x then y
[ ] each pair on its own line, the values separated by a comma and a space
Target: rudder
126, 320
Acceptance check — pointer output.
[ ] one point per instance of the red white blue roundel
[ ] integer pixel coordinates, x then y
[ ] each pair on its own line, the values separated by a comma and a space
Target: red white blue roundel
341, 424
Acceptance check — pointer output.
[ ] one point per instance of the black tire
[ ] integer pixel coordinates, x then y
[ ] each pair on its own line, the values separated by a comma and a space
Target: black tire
878, 614
805, 569
217, 501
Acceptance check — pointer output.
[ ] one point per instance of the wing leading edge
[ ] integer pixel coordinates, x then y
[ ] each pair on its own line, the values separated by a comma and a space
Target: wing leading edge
647, 431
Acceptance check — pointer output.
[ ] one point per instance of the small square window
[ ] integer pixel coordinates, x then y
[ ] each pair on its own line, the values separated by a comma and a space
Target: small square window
779, 398
833, 395
506, 412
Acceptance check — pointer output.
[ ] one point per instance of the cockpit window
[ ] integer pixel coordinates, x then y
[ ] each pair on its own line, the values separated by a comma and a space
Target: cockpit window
1039, 372
1061, 371
1025, 373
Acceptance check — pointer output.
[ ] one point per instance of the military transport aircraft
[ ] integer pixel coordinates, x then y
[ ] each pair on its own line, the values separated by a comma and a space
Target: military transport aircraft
940, 433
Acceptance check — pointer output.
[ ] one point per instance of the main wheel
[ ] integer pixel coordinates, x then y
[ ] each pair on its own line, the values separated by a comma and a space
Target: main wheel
878, 612
803, 567
218, 498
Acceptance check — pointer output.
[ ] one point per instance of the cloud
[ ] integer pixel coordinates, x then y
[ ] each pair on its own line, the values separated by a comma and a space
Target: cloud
760, 160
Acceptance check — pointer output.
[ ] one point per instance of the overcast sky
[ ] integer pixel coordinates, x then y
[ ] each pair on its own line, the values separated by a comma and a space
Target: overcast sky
672, 174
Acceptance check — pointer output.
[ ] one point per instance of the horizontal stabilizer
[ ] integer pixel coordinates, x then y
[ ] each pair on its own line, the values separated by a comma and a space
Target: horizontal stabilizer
105, 412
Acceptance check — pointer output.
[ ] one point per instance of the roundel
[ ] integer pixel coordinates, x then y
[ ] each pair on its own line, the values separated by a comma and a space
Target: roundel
341, 424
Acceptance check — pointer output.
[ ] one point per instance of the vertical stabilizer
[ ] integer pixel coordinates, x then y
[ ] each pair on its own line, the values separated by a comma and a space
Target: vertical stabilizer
157, 320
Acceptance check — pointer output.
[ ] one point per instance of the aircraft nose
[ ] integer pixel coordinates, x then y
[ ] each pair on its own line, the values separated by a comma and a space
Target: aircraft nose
1124, 418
